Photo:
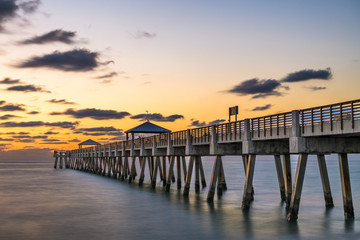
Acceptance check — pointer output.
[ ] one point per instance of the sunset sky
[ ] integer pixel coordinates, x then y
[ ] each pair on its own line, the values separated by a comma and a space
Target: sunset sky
74, 70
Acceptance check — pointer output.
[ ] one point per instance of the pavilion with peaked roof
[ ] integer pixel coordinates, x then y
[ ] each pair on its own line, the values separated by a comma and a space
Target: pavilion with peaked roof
88, 142
146, 127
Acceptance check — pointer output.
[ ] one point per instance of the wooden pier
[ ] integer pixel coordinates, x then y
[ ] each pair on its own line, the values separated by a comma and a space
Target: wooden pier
317, 131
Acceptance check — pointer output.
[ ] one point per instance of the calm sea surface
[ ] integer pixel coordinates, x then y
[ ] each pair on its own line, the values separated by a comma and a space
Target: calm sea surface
40, 202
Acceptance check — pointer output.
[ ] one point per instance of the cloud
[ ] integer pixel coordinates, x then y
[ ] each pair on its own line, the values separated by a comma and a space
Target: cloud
70, 125
142, 34
109, 75
33, 112
77, 60
51, 133
60, 101
57, 35
29, 137
308, 74
157, 117
257, 88
6, 140
11, 107
197, 123
75, 140
262, 108
27, 88
100, 131
9, 81
10, 10
314, 88
93, 113
53, 141
8, 116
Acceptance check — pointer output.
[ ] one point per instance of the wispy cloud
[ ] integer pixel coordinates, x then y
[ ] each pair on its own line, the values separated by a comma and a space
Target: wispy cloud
70, 125
157, 117
77, 60
142, 34
197, 123
57, 35
11, 107
8, 116
10, 81
257, 88
109, 75
27, 88
314, 88
13, 9
60, 101
308, 74
97, 114
271, 87
262, 108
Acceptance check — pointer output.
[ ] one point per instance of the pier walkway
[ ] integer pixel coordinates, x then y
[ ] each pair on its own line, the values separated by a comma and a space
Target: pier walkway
319, 131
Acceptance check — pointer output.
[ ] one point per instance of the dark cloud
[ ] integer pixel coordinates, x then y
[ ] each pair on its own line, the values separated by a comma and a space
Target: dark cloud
78, 60
18, 133
314, 88
93, 113
70, 125
99, 129
257, 88
262, 108
54, 141
216, 122
6, 140
33, 112
11, 107
142, 34
75, 140
8, 116
9, 81
60, 101
29, 137
157, 117
27, 88
29, 6
57, 35
308, 74
117, 138
109, 75
2, 102
9, 10
25, 140
197, 123
51, 133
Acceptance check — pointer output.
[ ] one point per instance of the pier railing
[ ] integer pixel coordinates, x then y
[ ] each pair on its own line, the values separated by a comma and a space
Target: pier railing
329, 115
272, 126
335, 119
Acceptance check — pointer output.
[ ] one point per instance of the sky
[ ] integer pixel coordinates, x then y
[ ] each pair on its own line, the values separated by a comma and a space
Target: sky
74, 70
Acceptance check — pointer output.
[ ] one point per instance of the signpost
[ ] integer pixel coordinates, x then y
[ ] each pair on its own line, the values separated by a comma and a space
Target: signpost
233, 111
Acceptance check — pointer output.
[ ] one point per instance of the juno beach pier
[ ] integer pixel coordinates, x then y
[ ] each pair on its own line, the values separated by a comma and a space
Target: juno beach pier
319, 131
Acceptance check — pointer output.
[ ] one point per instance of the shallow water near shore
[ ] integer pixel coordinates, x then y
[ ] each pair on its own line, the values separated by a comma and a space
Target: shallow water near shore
40, 202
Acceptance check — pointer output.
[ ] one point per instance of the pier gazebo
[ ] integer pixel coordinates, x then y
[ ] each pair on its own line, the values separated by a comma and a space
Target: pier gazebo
146, 127
88, 142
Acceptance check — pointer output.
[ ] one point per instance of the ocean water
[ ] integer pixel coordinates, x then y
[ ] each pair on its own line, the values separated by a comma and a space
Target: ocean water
40, 202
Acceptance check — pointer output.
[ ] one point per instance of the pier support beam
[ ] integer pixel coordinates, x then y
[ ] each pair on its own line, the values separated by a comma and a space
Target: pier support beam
280, 177
245, 158
247, 198
170, 173
202, 174
154, 176
288, 181
197, 174
214, 178
325, 181
298, 183
188, 176
178, 172
346, 186
164, 170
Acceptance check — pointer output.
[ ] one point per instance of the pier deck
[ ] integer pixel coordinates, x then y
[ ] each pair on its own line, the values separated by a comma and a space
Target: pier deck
319, 130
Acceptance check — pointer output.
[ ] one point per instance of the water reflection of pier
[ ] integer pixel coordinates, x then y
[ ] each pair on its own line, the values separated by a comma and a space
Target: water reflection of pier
320, 130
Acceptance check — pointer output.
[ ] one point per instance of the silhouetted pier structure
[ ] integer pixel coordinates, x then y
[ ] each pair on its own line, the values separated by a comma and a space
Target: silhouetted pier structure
319, 131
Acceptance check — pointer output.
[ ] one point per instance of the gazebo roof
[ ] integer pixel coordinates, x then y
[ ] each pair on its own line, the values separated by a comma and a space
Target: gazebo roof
89, 142
148, 127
